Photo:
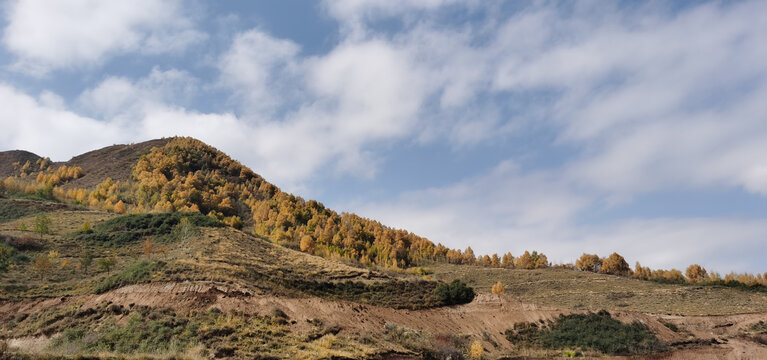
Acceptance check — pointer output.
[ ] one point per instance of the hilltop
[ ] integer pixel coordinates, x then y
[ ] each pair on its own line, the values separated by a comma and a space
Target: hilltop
170, 248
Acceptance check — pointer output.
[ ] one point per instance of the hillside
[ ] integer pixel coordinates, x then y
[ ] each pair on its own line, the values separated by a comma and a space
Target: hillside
9, 158
171, 249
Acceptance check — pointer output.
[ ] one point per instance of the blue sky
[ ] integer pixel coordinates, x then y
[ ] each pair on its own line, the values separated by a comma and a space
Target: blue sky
565, 127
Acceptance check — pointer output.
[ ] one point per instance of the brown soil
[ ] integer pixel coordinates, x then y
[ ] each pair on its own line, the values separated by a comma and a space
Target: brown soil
488, 314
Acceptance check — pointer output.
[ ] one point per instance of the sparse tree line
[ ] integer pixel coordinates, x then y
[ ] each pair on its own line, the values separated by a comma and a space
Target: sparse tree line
615, 264
186, 175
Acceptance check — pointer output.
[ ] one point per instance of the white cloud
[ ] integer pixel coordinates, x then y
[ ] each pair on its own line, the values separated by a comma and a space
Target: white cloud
47, 35
491, 212
260, 69
308, 113
506, 210
354, 15
47, 129
120, 97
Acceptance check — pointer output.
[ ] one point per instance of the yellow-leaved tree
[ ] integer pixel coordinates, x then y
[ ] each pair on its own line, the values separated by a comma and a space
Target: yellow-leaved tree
307, 244
615, 265
589, 262
695, 273
476, 350
497, 288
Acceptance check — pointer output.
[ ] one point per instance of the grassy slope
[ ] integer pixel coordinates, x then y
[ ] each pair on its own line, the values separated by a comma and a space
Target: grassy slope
577, 290
214, 254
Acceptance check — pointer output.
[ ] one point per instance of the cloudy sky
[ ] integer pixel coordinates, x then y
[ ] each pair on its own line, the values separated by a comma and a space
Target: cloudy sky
637, 127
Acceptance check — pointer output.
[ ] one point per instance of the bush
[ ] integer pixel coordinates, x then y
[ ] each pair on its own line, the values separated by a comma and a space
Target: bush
600, 332
456, 292
131, 228
6, 253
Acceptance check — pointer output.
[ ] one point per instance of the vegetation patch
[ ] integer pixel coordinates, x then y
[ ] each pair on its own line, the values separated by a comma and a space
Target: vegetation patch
131, 228
114, 331
137, 273
12, 209
398, 294
759, 328
456, 292
592, 331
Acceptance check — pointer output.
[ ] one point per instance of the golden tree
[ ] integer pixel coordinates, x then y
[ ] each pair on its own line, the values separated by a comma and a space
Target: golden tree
147, 247
507, 261
589, 262
695, 273
615, 265
42, 265
498, 288
120, 207
468, 256
307, 244
476, 350
495, 261
525, 261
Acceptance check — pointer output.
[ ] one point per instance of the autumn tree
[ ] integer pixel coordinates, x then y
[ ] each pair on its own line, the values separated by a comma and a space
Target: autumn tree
642, 272
468, 256
307, 244
498, 288
476, 350
525, 261
42, 265
695, 273
120, 207
672, 276
507, 261
42, 225
495, 261
589, 262
147, 247
615, 265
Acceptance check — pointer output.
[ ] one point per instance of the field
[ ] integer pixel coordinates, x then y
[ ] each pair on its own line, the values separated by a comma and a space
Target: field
578, 290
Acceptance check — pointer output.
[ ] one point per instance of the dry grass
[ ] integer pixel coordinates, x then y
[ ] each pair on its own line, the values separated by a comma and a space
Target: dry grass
577, 290
222, 255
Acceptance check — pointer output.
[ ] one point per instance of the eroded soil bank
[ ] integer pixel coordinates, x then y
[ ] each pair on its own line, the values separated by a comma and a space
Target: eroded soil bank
486, 318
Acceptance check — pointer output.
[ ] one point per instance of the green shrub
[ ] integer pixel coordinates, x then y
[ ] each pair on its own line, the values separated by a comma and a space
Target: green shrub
760, 327
137, 273
131, 228
600, 332
456, 292
6, 253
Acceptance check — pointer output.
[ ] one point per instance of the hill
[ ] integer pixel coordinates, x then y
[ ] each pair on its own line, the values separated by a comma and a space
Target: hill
171, 249
9, 158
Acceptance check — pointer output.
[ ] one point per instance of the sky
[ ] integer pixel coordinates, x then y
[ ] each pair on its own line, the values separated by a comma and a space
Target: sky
563, 127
